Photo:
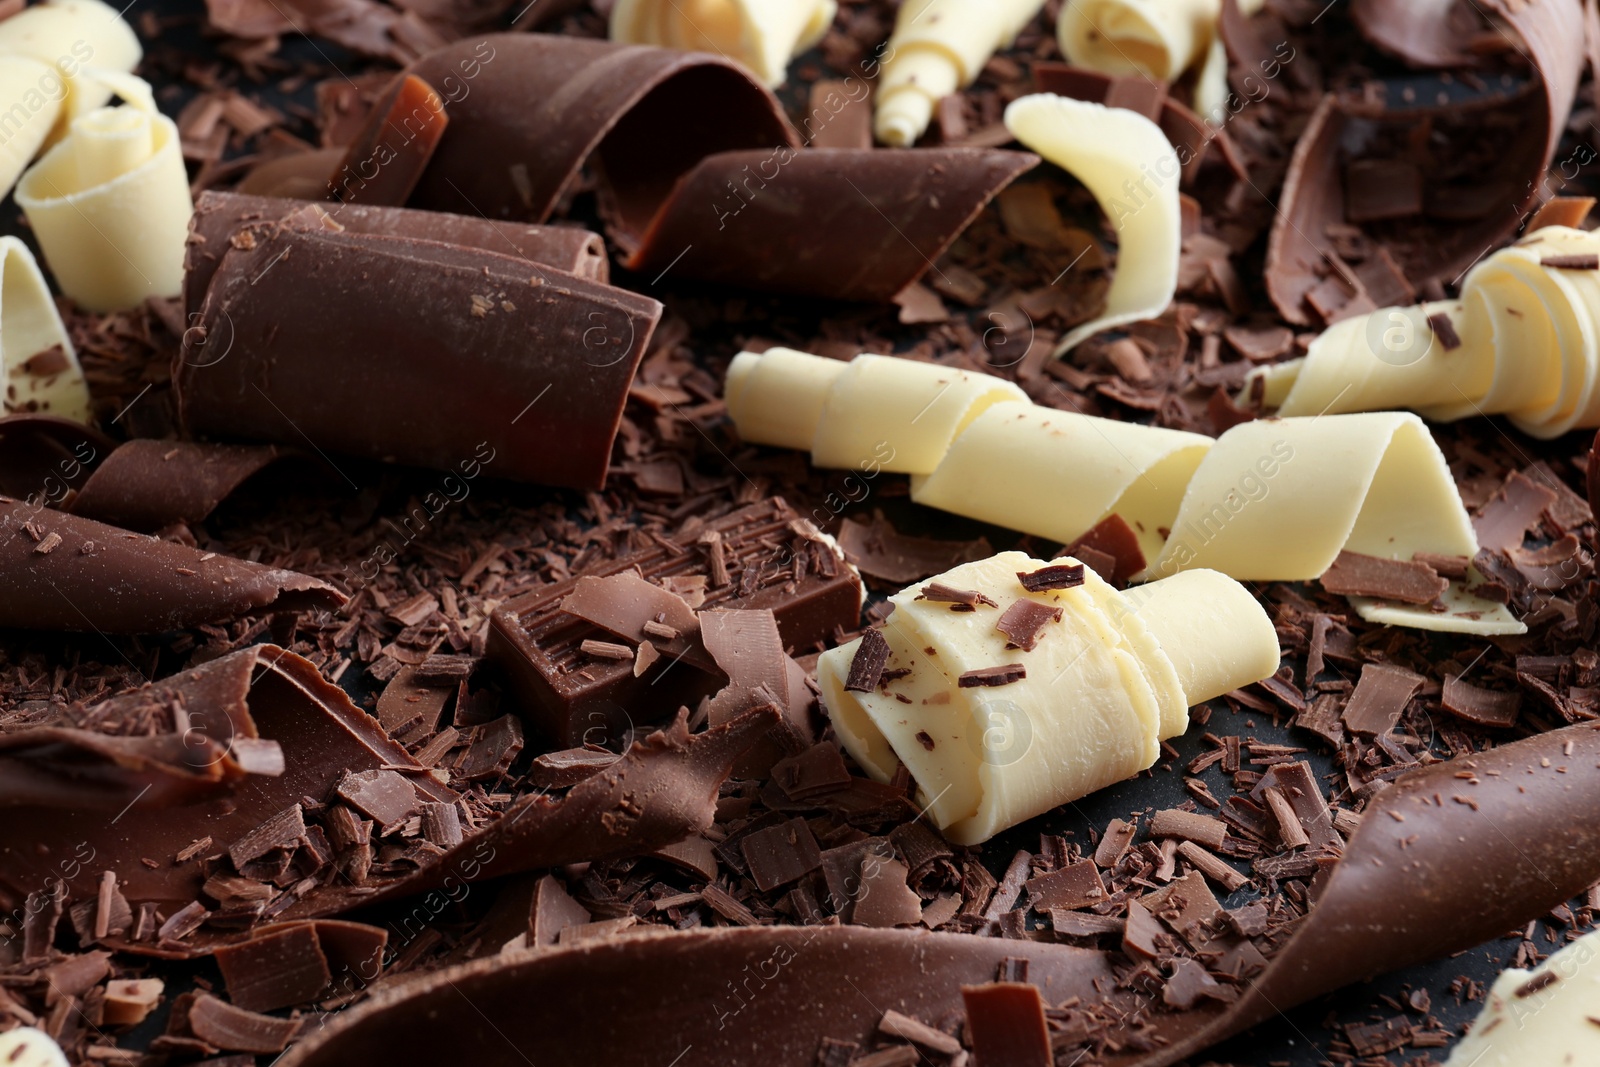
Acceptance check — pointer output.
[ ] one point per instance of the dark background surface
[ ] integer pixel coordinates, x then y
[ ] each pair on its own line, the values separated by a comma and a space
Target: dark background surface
1296, 1039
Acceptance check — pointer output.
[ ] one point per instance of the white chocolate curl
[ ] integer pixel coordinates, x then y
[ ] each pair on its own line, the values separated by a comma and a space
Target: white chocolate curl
1105, 685
1529, 348
1540, 1017
35, 379
78, 38
1159, 39
938, 47
1272, 500
28, 1047
110, 204
1131, 168
762, 34
28, 113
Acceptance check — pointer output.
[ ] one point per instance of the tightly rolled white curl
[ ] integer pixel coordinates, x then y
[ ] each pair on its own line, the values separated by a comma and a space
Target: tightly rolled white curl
762, 34
1273, 500
937, 48
110, 203
1529, 348
1104, 686
47, 55
30, 325
1159, 39
1131, 168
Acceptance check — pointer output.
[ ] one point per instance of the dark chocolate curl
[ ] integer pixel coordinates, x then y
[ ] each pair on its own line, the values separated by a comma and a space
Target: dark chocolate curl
147, 484
261, 692
559, 1007
838, 223
539, 106
62, 572
1424, 33
43, 456
387, 157
1451, 875
219, 219
414, 352
1457, 222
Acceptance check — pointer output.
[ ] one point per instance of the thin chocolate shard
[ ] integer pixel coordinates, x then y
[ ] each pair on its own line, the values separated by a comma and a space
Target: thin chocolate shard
781, 854
1576, 262
490, 362
221, 218
866, 667
387, 157
1485, 707
576, 700
945, 594
1024, 622
283, 830
1077, 885
626, 604
1454, 567
385, 797
1408, 581
1297, 786
1460, 218
113, 581
1112, 537
1379, 698
276, 969
1055, 576
1002, 674
903, 209
1189, 826
881, 551
1445, 331
1568, 211
231, 1028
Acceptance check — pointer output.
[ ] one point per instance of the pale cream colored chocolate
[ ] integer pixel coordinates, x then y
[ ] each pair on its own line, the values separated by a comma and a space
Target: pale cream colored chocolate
1529, 347
31, 99
1131, 168
937, 48
110, 203
78, 38
29, 1047
762, 34
1540, 1018
1104, 686
1271, 500
34, 377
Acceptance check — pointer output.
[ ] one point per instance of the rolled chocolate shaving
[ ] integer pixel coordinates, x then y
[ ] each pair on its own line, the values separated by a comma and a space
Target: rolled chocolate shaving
62, 572
384, 162
44, 456
1190, 134
415, 352
542, 105
1460, 223
220, 219
561, 1005
1424, 33
147, 485
1443, 876
850, 224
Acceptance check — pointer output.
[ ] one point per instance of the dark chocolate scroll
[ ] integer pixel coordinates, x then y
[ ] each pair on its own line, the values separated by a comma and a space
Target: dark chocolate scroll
1424, 876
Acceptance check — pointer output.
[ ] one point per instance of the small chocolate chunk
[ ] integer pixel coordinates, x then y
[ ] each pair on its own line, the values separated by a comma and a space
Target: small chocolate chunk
1445, 330
1189, 826
1006, 1024
1113, 537
866, 667
1024, 622
236, 1030
947, 594
1003, 674
283, 831
386, 797
781, 854
1589, 261
1074, 886
1408, 581
1379, 698
1485, 707
1054, 576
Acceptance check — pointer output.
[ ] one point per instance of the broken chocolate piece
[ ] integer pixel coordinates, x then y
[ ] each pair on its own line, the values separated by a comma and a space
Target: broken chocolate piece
1379, 698
1408, 581
1577, 262
881, 551
387, 157
1111, 537
1003, 674
232, 1028
1485, 707
1055, 576
866, 668
1024, 621
944, 594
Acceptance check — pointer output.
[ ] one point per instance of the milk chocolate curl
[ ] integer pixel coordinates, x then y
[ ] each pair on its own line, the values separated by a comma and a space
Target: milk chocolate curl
44, 457
1436, 236
1442, 878
387, 158
837, 223
563, 1002
222, 220
539, 106
149, 485
414, 352
62, 572
109, 202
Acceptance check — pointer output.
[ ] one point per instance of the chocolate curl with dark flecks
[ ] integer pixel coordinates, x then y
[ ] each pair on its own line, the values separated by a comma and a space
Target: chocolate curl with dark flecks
1448, 877
62, 572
